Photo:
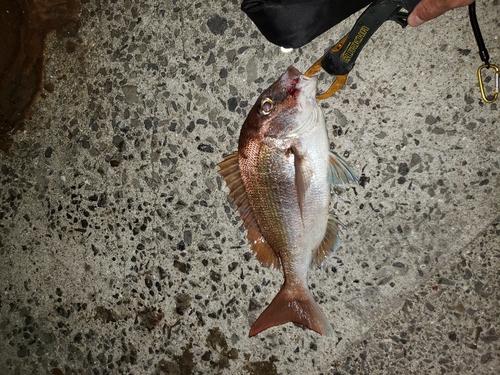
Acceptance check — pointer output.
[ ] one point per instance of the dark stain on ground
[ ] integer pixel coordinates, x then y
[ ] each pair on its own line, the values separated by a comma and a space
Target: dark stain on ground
181, 365
150, 317
168, 368
24, 25
105, 315
185, 362
216, 340
182, 302
261, 368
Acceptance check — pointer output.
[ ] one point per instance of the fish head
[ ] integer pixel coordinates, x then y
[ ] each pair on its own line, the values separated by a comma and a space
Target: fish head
283, 110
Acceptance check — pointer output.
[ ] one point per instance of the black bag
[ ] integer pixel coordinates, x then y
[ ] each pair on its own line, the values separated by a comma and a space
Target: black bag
294, 23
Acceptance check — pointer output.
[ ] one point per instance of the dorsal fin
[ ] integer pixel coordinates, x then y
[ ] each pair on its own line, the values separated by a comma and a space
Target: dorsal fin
330, 242
339, 172
230, 170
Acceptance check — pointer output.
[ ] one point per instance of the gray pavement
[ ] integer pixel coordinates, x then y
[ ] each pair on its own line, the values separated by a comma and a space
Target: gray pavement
121, 254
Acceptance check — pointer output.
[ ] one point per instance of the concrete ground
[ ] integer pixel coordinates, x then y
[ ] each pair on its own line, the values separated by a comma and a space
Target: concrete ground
120, 253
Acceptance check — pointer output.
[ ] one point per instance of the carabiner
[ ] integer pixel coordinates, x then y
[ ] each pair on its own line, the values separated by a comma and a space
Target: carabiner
339, 79
481, 85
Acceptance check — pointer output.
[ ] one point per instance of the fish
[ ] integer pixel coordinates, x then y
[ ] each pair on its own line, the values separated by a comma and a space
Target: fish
279, 179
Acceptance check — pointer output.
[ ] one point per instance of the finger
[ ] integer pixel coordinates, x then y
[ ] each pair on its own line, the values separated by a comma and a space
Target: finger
426, 10
429, 9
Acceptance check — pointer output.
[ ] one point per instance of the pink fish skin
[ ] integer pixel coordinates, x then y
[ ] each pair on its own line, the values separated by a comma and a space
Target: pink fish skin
280, 181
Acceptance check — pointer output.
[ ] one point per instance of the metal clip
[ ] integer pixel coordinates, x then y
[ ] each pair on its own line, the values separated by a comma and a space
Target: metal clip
481, 85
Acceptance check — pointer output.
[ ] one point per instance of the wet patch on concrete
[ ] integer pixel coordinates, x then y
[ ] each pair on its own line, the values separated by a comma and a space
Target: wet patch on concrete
24, 25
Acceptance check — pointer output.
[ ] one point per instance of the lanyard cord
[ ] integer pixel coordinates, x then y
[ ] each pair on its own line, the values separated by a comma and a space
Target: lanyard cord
483, 52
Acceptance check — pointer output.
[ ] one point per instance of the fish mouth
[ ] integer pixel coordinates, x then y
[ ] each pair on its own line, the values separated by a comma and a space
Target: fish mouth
308, 86
297, 83
303, 110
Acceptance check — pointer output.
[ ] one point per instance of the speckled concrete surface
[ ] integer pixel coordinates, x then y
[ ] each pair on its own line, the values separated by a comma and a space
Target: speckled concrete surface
120, 253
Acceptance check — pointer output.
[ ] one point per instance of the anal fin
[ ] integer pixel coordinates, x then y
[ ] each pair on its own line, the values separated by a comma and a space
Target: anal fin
330, 242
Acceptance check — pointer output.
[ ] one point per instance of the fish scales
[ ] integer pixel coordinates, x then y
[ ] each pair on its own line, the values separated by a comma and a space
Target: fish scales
264, 190
270, 178
280, 180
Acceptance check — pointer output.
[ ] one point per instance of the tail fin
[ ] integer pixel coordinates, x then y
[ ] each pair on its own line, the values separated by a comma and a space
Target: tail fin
296, 306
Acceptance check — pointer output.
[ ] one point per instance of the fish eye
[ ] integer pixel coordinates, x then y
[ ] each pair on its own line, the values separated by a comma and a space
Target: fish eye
266, 106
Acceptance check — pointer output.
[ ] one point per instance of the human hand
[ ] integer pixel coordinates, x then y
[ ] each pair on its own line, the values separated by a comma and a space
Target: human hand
429, 9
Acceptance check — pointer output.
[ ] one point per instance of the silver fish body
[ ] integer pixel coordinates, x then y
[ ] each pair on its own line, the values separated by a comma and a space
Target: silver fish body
280, 180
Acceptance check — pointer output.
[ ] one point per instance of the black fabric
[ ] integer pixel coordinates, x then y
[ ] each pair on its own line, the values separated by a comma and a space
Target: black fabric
409, 5
294, 23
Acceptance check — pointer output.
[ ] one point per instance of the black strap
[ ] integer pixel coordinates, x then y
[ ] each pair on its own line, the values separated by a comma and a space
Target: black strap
341, 62
483, 52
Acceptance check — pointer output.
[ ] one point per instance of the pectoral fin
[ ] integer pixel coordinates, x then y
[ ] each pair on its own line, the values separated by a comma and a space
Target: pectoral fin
339, 172
303, 175
230, 170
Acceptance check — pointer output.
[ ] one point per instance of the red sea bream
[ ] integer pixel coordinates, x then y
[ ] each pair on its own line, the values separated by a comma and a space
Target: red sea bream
280, 181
